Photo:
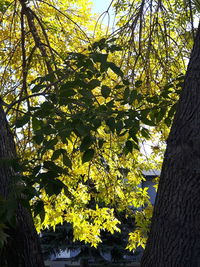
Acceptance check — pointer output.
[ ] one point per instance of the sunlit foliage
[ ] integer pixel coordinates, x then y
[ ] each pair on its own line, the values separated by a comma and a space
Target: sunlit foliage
85, 100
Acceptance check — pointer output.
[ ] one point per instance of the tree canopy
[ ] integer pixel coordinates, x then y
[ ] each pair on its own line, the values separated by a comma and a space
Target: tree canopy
84, 100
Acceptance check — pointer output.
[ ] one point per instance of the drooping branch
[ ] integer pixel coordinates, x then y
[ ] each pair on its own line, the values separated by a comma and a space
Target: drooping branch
33, 29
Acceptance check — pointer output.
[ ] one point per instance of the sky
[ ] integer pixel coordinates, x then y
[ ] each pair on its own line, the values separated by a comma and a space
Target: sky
100, 6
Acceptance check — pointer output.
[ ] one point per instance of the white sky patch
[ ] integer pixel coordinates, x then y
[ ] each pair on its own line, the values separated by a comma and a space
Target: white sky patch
100, 6
105, 17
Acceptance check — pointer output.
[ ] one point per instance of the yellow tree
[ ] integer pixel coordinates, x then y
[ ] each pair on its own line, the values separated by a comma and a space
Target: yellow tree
39, 53
29, 47
84, 162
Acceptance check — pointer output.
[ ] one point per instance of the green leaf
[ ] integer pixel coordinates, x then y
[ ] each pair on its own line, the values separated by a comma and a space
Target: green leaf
22, 121
82, 129
138, 83
123, 133
87, 94
37, 124
145, 133
67, 89
66, 92
50, 143
66, 161
38, 138
39, 209
49, 77
88, 155
100, 143
133, 134
140, 97
136, 146
99, 44
50, 165
56, 154
97, 123
110, 104
86, 143
154, 99
119, 127
38, 88
167, 86
128, 123
64, 134
119, 86
48, 129
125, 82
58, 186
126, 93
99, 57
180, 77
160, 115
54, 187
148, 122
4, 6
111, 124
115, 69
133, 96
105, 91
172, 110
47, 106
38, 206
168, 121
129, 146
93, 84
114, 48
45, 177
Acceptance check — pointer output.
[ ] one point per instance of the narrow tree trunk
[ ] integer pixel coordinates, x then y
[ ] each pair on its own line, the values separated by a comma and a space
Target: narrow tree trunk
22, 248
174, 238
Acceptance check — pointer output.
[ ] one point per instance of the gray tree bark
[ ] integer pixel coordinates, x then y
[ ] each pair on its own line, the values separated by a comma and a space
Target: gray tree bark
22, 248
174, 238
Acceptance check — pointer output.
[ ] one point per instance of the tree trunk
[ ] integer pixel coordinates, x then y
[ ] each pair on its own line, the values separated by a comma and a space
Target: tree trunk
174, 238
22, 248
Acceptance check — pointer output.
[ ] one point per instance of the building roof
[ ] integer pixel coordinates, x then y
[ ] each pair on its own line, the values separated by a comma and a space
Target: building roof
151, 173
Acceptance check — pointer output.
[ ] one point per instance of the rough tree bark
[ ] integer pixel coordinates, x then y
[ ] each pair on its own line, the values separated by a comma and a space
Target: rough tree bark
174, 238
22, 248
